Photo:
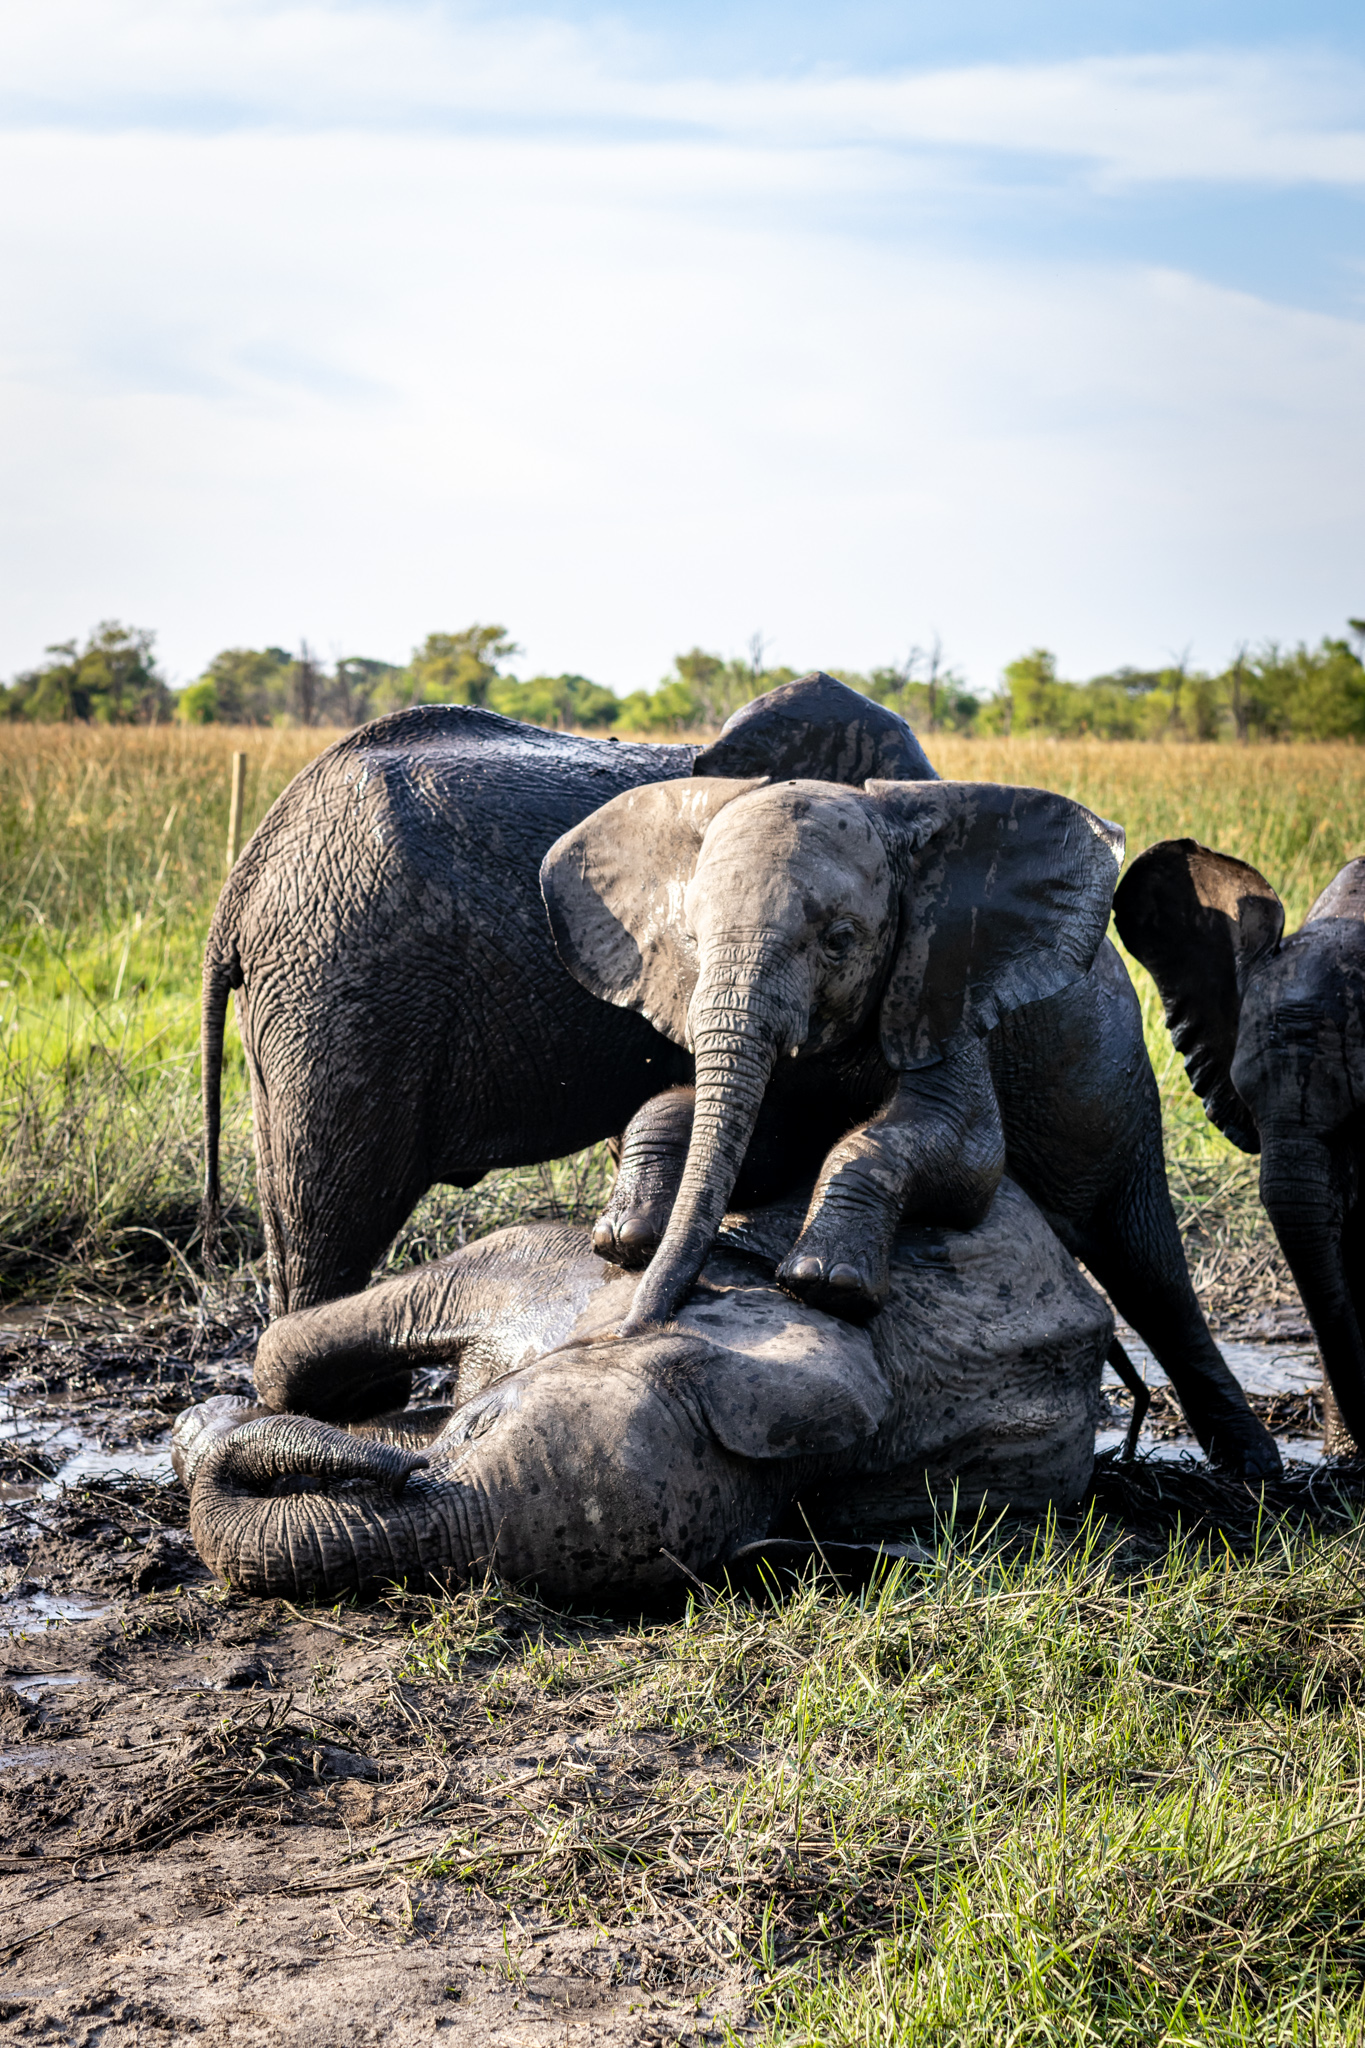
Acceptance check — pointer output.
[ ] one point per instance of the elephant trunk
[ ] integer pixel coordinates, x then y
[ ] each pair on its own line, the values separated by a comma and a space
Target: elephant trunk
742, 1016
581, 1475
1305, 1205
288, 1506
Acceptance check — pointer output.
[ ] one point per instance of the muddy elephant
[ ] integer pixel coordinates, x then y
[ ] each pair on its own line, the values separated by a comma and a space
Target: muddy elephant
908, 987
1273, 1034
403, 1013
601, 1467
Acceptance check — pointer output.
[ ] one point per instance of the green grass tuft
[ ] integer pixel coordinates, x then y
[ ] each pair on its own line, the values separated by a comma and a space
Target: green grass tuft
1024, 1795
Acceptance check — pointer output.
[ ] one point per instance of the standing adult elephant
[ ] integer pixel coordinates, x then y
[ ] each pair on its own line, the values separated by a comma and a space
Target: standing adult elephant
910, 982
404, 1015
1273, 1034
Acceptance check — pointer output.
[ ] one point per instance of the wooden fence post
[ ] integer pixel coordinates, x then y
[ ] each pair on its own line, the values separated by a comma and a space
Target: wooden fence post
234, 838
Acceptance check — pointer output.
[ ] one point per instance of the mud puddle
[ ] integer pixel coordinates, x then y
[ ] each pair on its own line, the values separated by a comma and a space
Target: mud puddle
231, 1820
1281, 1380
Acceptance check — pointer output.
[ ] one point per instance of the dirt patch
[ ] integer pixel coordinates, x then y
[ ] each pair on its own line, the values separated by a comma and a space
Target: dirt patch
230, 1820
245, 1822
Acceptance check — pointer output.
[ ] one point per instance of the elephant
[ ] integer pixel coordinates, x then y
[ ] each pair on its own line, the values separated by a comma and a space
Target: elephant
911, 983
1272, 1030
601, 1467
403, 1013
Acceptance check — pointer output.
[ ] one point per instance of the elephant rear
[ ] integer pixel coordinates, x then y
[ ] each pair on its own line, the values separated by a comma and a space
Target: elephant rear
402, 1010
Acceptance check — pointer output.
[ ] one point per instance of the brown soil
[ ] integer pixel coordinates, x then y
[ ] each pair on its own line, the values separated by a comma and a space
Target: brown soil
228, 1824
239, 1822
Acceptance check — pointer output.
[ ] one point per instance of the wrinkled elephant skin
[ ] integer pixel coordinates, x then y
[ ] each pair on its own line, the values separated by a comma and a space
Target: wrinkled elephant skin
597, 1467
905, 990
404, 1016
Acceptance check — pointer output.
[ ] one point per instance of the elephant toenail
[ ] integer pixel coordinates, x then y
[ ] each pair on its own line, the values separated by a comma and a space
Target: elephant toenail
845, 1276
603, 1237
636, 1230
806, 1269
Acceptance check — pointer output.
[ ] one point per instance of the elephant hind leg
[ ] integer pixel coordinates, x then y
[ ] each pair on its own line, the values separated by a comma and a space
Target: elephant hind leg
1133, 1248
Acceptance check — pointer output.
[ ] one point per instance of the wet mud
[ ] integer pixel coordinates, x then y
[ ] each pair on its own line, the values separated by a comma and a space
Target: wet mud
217, 1815
243, 1822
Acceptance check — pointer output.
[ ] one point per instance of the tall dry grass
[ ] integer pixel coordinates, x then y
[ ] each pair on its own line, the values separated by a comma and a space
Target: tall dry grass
112, 851
111, 856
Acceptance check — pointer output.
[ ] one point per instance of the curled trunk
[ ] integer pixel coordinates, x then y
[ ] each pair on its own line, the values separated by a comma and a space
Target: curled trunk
288, 1505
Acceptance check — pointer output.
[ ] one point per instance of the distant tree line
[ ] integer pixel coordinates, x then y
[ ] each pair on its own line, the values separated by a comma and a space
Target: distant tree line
1275, 693
1272, 693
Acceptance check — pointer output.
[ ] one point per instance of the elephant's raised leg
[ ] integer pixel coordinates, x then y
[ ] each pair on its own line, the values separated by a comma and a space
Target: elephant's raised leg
788, 1144
653, 1155
934, 1154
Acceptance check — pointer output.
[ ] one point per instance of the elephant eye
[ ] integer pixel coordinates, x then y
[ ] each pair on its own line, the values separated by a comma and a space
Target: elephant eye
839, 940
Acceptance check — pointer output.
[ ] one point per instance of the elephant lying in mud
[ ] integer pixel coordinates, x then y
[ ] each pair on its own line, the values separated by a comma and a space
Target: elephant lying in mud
910, 983
605, 1468
403, 1013
1273, 1034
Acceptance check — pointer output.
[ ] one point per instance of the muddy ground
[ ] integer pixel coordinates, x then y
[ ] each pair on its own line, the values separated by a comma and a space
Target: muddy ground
240, 1822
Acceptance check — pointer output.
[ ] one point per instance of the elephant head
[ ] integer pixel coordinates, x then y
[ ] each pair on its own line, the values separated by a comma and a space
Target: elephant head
1272, 1030
595, 1467
753, 922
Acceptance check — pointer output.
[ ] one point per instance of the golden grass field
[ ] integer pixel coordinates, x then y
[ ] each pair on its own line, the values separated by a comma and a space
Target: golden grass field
112, 852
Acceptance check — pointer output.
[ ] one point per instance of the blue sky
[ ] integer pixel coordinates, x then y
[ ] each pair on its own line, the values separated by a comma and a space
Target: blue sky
637, 327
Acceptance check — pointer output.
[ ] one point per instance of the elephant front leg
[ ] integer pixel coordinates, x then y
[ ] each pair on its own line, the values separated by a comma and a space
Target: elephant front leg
653, 1155
934, 1154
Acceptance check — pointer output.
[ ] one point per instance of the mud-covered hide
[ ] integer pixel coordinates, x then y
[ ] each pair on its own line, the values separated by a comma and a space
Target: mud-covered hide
610, 1467
992, 1343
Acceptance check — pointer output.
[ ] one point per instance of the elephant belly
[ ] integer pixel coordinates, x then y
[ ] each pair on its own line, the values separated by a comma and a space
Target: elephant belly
994, 1344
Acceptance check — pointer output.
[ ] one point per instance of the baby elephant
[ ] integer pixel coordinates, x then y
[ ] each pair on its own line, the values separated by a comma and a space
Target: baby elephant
603, 1467
1273, 1034
904, 989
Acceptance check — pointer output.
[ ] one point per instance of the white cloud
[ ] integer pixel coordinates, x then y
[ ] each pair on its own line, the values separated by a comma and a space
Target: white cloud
1219, 116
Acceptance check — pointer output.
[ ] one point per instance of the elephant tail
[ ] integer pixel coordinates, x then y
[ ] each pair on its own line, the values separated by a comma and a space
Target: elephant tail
222, 973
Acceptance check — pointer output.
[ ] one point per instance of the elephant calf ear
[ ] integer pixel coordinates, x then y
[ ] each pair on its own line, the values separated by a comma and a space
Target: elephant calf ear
613, 886
1199, 922
781, 1381
1006, 901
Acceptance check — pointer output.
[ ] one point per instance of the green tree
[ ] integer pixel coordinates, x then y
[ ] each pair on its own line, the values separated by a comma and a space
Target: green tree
672, 708
554, 701
358, 688
113, 680
240, 686
927, 695
197, 704
1305, 693
456, 668
1034, 692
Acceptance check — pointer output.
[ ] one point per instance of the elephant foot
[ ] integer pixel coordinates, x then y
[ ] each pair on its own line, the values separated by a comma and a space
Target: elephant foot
1241, 1446
653, 1153
629, 1237
853, 1285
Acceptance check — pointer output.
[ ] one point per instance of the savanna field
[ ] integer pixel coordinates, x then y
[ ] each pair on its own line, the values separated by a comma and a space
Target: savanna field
1100, 1782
